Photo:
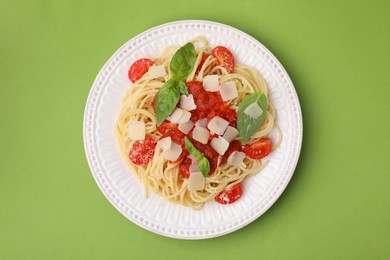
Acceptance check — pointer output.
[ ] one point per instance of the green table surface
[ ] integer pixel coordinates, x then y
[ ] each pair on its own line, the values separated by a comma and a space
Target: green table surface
336, 206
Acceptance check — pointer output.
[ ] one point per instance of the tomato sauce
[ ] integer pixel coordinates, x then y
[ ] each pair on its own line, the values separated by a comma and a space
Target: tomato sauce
234, 146
209, 104
184, 168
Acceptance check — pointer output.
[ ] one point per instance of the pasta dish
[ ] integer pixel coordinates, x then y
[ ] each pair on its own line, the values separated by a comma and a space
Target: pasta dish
195, 124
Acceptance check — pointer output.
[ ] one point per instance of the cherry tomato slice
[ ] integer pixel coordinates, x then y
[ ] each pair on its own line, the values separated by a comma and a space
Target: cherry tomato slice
142, 151
229, 195
139, 68
224, 58
259, 149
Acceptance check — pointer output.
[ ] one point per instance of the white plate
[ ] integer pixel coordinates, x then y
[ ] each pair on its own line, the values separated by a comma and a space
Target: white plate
122, 188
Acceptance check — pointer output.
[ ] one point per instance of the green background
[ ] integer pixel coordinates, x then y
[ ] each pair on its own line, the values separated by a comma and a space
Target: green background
337, 203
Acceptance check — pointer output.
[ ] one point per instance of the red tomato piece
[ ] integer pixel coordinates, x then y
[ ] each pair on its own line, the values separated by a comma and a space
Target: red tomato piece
154, 102
229, 195
234, 146
142, 151
169, 129
224, 58
184, 168
205, 101
212, 156
139, 68
259, 149
204, 58
224, 112
208, 152
178, 138
194, 87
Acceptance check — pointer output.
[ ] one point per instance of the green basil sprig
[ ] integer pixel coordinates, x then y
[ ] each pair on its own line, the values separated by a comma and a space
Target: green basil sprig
183, 62
168, 96
247, 125
204, 164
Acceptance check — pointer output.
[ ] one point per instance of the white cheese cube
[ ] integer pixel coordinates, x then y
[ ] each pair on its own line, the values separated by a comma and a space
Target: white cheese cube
165, 143
194, 167
201, 134
187, 102
211, 83
230, 134
157, 71
185, 117
220, 145
236, 158
186, 127
202, 122
136, 130
218, 125
253, 110
175, 116
173, 152
228, 91
219, 160
193, 158
196, 181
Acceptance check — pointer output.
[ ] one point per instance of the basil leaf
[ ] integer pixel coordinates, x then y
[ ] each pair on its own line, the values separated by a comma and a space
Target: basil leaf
192, 150
247, 125
167, 98
183, 87
204, 164
183, 62
168, 95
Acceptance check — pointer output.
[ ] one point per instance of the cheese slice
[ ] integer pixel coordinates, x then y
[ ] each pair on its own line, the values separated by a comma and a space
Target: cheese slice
201, 134
236, 158
175, 116
185, 117
219, 160
230, 134
228, 91
202, 122
194, 167
186, 127
220, 145
196, 181
173, 152
253, 110
211, 83
217, 125
193, 158
157, 71
165, 143
136, 129
187, 102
